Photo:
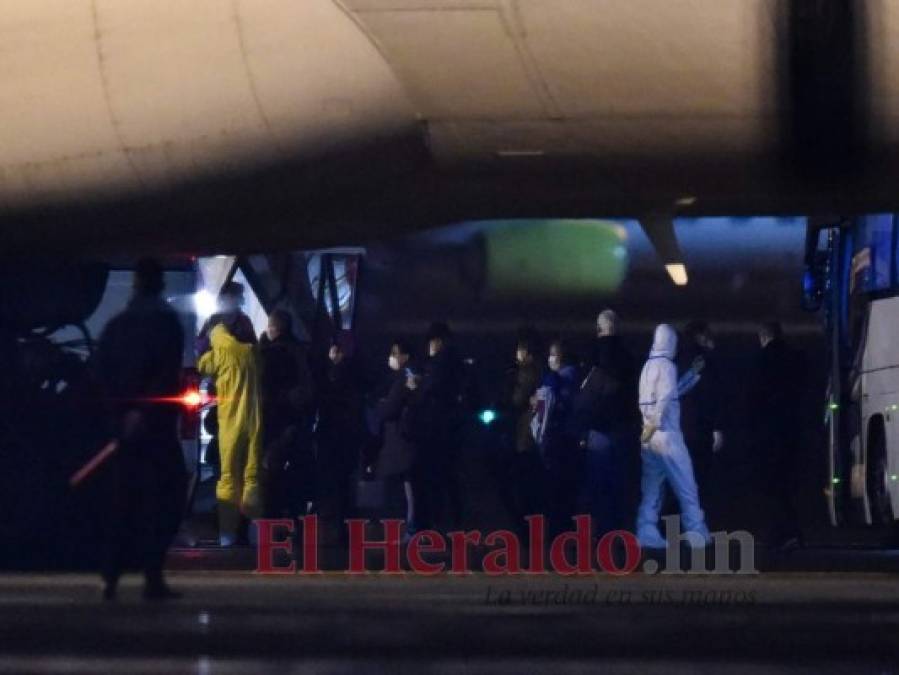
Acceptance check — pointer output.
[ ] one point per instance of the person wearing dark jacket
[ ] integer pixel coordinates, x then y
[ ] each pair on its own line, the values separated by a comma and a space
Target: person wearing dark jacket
775, 397
439, 411
615, 413
527, 377
522, 481
701, 407
140, 358
604, 424
398, 450
558, 447
340, 429
288, 460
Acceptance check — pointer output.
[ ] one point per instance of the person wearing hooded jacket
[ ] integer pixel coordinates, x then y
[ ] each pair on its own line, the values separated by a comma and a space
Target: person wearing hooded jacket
664, 454
234, 367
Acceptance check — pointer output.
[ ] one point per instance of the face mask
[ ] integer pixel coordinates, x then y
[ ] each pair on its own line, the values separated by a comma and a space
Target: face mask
432, 349
520, 356
555, 362
394, 362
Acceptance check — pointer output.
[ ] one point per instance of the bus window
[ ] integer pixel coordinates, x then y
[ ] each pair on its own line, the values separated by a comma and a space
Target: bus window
872, 262
896, 252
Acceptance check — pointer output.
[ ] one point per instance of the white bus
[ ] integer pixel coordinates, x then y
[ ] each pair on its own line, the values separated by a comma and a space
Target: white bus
852, 276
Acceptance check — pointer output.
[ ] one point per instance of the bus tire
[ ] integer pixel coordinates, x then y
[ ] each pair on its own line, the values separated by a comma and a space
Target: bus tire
878, 487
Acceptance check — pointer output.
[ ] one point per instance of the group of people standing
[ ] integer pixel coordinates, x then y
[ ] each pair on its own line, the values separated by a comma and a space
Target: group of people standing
416, 430
289, 428
575, 424
571, 425
292, 432
283, 425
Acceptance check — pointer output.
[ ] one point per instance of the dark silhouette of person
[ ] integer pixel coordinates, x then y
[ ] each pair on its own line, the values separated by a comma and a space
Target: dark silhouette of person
559, 448
776, 423
140, 359
439, 409
702, 410
604, 423
522, 478
397, 452
287, 416
340, 430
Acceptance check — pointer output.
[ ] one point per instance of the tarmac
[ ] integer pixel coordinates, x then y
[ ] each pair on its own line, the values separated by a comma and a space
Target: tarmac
239, 621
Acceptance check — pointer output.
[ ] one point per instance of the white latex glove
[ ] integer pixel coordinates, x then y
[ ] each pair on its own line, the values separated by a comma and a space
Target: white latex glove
717, 440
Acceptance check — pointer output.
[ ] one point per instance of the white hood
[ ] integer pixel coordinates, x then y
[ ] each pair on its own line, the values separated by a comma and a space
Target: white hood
658, 382
664, 342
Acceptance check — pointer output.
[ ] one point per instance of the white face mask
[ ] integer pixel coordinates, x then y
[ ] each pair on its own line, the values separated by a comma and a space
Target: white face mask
555, 362
394, 362
432, 349
520, 356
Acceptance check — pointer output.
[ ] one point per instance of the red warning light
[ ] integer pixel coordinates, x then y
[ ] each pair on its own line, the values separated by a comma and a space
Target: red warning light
192, 398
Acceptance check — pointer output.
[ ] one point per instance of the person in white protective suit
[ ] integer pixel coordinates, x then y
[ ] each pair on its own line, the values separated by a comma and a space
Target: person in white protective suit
665, 456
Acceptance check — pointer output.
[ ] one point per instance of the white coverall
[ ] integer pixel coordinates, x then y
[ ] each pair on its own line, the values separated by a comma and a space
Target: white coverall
665, 456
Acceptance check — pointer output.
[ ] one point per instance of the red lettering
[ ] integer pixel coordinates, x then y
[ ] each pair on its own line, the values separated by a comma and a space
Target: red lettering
536, 544
581, 539
460, 542
310, 544
505, 560
631, 552
359, 545
266, 546
417, 545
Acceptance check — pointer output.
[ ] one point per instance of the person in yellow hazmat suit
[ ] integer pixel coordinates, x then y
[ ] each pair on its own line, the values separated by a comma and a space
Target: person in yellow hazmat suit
233, 365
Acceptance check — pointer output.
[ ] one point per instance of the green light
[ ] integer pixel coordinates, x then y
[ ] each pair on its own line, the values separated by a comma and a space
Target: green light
487, 417
894, 407
834, 406
894, 477
554, 257
834, 480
